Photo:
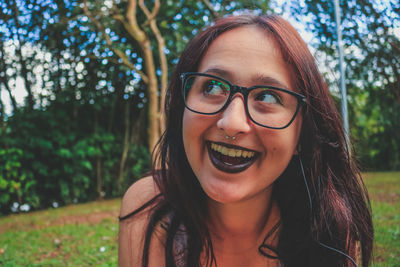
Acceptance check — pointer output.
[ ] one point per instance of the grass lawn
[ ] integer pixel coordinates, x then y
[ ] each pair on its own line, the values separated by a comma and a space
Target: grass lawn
384, 190
86, 234
76, 235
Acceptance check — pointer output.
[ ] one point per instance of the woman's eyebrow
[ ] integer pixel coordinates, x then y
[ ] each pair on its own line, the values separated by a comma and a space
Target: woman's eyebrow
218, 72
259, 79
267, 80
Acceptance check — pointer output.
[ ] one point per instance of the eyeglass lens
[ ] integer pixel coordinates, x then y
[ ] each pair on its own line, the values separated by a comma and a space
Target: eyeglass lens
266, 106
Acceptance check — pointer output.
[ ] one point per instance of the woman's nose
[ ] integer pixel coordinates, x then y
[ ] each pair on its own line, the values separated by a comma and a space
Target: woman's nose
233, 119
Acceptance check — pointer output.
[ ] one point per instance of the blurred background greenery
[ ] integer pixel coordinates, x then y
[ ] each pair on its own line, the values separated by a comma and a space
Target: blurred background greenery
82, 86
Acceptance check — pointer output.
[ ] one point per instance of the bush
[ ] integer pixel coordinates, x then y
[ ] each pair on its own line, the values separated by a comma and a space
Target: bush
16, 183
47, 159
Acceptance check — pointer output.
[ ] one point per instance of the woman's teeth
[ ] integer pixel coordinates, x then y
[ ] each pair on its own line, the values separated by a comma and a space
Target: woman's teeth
232, 152
230, 159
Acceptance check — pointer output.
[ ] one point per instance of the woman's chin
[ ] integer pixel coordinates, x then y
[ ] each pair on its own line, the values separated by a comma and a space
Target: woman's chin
225, 195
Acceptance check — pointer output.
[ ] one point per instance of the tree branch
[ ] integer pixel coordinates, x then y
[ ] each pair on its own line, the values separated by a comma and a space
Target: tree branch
150, 16
209, 6
161, 52
132, 26
119, 53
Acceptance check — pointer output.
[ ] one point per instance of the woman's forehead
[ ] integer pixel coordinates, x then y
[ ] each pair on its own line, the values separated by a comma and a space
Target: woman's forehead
247, 54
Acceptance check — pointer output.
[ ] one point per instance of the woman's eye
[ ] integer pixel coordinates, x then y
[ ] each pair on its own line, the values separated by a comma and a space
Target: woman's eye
269, 98
214, 87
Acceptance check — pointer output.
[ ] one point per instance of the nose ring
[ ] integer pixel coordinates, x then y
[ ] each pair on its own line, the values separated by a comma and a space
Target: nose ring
230, 137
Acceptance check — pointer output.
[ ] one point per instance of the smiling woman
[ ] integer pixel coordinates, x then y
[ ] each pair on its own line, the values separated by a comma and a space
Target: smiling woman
255, 170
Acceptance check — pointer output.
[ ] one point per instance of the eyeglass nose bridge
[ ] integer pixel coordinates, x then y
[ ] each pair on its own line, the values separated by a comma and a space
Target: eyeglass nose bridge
239, 89
244, 91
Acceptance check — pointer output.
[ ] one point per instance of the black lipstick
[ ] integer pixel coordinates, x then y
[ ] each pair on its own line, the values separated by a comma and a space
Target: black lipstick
229, 164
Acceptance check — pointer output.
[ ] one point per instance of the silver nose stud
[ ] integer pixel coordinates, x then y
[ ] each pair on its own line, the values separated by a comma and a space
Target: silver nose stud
230, 137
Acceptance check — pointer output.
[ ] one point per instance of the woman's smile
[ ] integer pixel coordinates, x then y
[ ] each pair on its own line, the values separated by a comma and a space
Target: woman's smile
229, 158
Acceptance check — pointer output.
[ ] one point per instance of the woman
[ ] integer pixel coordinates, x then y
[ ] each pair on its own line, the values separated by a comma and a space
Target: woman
255, 169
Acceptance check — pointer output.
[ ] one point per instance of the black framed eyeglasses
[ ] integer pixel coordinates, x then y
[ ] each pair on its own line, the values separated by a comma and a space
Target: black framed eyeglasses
267, 106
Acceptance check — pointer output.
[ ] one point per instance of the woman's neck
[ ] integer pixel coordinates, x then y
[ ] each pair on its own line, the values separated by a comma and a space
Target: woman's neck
242, 225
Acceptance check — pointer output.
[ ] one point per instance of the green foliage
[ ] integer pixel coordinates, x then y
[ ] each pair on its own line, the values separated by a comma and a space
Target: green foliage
63, 164
15, 182
141, 158
371, 48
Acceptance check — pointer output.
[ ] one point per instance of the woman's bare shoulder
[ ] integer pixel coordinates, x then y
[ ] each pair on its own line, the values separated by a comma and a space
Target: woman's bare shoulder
138, 194
134, 219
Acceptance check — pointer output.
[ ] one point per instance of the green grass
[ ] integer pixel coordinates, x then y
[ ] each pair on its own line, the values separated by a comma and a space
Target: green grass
384, 190
76, 235
86, 234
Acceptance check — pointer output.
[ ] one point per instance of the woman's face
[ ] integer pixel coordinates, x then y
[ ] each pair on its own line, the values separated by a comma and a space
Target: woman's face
245, 56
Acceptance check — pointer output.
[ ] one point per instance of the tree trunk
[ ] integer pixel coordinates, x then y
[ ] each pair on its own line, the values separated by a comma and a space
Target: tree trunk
136, 131
24, 69
4, 81
3, 76
1, 111
149, 76
163, 61
154, 126
125, 148
99, 177
59, 71
112, 112
152, 86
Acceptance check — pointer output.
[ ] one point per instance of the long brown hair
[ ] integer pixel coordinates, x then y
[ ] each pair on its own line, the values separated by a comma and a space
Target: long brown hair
340, 217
